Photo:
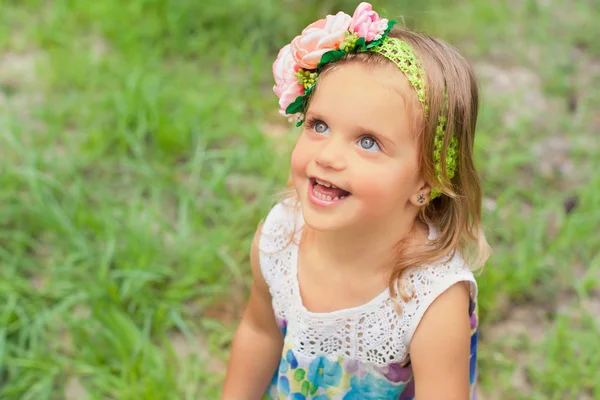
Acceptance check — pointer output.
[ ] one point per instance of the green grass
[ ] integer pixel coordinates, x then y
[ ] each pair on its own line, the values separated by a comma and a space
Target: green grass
137, 157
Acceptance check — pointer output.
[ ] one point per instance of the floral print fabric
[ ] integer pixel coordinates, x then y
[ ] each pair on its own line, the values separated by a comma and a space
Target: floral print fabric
324, 378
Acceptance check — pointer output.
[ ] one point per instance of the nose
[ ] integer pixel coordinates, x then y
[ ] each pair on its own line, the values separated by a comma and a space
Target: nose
331, 155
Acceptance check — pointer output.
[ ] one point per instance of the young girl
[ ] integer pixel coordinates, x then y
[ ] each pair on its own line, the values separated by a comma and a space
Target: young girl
362, 277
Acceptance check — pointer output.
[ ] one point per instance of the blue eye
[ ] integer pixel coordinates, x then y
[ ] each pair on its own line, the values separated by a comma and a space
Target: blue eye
320, 127
368, 143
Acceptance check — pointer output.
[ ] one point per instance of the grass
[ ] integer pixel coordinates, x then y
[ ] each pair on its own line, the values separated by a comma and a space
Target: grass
137, 157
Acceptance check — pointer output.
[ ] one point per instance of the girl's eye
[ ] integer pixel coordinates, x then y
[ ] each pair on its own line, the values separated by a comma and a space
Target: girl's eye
320, 127
368, 143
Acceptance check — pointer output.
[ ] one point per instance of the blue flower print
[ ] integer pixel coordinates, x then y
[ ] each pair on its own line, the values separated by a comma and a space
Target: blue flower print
284, 385
283, 366
300, 396
287, 362
324, 373
291, 358
473, 359
371, 387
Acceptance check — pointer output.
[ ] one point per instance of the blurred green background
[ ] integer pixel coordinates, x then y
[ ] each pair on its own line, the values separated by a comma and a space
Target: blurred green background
140, 145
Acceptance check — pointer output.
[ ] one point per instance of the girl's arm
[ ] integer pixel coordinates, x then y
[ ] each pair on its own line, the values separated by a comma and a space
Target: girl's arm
258, 342
440, 348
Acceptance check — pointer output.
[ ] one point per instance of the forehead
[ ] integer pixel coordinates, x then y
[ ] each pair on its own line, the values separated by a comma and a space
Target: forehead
374, 96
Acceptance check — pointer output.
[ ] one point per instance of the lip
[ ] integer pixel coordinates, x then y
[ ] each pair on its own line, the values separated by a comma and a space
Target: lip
318, 201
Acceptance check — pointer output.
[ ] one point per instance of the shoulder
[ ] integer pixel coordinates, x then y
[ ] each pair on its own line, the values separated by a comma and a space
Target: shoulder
449, 281
440, 350
439, 337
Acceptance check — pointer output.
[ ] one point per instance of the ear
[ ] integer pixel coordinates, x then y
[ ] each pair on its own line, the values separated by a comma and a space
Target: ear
421, 195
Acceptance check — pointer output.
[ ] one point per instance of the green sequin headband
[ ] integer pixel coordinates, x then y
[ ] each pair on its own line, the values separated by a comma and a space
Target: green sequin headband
300, 85
402, 54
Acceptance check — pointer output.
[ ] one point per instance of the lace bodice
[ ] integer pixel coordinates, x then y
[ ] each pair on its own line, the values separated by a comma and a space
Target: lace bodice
373, 334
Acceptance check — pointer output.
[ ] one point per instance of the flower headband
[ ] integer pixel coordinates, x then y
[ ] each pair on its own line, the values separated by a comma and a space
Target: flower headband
298, 64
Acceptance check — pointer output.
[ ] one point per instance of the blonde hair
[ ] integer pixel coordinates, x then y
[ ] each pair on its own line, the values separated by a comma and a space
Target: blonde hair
457, 213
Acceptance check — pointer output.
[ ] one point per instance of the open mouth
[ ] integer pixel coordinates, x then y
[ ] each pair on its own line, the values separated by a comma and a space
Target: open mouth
326, 191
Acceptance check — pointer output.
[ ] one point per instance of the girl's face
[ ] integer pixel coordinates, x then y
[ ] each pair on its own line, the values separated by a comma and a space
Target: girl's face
356, 137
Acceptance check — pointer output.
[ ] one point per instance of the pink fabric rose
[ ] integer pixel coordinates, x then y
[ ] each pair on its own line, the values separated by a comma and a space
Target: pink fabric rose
318, 38
366, 23
286, 86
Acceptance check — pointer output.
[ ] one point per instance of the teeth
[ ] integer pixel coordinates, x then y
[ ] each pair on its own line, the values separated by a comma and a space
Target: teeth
326, 184
320, 182
327, 197
324, 196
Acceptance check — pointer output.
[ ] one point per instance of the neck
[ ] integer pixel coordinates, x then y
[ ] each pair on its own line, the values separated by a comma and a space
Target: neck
367, 249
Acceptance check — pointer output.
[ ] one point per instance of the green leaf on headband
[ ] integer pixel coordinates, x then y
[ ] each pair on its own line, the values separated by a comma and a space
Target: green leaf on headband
361, 44
331, 56
299, 105
296, 107
374, 43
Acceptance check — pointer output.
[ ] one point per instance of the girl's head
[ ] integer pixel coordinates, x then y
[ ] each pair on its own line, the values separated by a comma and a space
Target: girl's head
389, 120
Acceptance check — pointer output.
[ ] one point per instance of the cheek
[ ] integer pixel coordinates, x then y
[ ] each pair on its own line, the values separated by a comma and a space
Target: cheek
386, 185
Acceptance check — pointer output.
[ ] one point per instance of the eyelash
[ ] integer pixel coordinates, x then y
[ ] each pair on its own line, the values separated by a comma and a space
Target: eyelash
310, 122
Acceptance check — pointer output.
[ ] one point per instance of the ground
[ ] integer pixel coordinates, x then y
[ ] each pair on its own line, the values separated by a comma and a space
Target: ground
140, 146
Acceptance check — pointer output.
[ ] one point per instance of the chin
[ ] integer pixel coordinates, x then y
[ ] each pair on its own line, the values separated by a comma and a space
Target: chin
318, 222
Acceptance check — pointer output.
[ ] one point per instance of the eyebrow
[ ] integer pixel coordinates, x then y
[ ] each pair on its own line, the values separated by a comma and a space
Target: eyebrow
313, 114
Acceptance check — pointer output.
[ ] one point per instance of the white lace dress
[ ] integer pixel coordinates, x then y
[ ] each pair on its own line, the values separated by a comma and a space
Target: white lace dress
350, 354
